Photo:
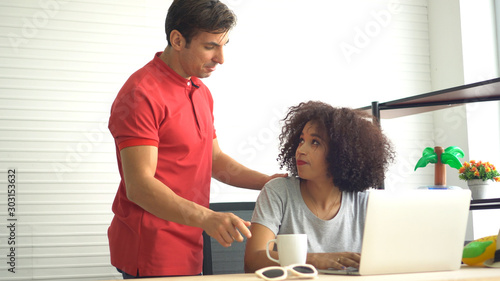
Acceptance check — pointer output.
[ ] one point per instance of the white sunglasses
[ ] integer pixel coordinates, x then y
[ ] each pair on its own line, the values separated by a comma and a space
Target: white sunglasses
274, 273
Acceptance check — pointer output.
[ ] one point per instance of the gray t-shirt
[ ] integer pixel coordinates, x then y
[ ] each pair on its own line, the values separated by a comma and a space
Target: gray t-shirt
281, 208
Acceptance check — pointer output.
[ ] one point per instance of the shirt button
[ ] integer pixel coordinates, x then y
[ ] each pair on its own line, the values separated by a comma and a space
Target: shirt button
188, 83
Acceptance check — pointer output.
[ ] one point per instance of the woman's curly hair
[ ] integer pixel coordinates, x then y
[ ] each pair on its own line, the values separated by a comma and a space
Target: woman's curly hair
358, 152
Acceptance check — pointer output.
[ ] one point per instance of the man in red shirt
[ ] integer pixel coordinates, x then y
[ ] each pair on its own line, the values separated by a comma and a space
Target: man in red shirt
167, 151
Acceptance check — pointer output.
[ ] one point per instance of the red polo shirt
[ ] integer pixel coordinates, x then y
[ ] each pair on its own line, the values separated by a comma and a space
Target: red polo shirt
158, 107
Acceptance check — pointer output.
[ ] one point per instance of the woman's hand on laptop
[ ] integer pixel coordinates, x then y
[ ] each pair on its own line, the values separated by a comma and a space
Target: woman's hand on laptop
334, 260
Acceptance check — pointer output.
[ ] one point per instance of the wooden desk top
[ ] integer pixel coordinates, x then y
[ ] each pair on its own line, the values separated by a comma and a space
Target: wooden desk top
466, 274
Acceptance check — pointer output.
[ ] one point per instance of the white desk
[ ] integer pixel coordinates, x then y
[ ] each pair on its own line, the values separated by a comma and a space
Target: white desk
466, 274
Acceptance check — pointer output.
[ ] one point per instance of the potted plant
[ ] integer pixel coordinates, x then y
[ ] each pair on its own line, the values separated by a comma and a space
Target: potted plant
479, 175
440, 158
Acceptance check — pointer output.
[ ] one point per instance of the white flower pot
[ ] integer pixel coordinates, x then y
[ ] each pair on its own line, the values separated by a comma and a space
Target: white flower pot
484, 189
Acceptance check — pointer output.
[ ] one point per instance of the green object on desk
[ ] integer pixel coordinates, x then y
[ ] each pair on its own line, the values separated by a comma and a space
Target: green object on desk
440, 157
450, 157
475, 248
428, 156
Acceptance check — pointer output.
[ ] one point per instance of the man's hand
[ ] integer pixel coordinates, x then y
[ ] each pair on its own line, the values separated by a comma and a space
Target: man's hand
226, 228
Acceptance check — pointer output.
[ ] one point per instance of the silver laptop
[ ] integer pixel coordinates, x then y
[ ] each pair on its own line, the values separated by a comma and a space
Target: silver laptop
412, 231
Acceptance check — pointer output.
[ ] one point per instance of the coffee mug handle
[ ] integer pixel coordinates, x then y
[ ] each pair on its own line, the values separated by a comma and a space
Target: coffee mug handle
267, 251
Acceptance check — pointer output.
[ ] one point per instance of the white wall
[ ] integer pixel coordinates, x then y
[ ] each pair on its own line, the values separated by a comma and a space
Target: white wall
480, 55
333, 51
464, 51
450, 127
61, 65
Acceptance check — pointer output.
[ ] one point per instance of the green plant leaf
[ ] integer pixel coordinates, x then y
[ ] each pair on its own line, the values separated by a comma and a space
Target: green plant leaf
428, 156
450, 159
428, 151
456, 151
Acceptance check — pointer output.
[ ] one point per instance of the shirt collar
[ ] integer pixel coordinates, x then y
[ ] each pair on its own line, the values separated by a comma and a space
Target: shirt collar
165, 69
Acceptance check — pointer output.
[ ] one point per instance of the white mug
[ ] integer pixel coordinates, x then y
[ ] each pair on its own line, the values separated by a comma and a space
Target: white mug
292, 249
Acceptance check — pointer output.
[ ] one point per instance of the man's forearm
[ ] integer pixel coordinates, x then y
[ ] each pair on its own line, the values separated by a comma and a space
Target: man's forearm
159, 200
229, 171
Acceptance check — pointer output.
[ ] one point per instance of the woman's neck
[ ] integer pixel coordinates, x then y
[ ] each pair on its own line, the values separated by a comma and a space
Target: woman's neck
322, 198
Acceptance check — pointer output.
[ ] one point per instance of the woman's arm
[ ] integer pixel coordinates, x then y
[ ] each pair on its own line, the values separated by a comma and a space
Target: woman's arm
255, 251
256, 258
333, 260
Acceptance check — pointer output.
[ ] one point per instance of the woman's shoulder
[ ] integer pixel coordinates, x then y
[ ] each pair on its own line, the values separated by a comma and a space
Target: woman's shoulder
282, 182
282, 185
357, 196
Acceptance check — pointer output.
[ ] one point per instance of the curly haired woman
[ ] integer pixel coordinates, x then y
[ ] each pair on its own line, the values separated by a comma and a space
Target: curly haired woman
334, 156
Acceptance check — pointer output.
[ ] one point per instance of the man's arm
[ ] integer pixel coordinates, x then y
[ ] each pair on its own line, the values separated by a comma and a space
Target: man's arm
139, 166
229, 171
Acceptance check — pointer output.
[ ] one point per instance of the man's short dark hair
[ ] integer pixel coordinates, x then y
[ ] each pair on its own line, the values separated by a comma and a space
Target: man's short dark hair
191, 17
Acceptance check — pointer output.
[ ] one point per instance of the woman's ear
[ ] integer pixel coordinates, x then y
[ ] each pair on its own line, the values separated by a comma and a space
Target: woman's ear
177, 40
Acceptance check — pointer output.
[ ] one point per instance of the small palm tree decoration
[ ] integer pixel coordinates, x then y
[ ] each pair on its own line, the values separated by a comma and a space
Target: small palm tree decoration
439, 158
